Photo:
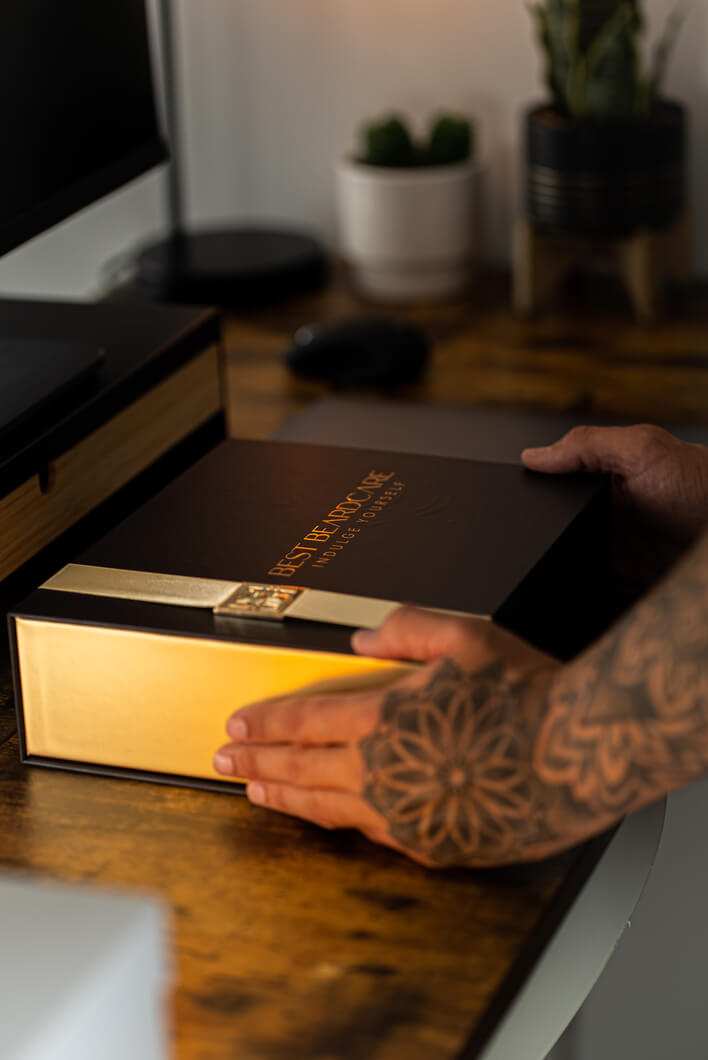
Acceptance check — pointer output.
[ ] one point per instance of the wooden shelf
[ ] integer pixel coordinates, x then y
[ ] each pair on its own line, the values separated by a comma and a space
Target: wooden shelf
160, 388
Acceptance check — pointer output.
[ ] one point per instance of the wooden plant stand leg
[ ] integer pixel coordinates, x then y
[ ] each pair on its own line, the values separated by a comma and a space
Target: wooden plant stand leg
649, 258
644, 262
640, 270
539, 264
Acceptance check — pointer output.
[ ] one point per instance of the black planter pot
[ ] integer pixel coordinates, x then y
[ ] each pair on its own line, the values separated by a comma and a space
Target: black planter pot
606, 179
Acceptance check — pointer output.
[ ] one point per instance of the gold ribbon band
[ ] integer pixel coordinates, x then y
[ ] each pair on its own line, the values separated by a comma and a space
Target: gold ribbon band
227, 599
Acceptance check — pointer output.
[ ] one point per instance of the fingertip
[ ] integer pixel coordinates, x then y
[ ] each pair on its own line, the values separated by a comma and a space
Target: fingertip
256, 793
237, 727
536, 454
363, 641
223, 763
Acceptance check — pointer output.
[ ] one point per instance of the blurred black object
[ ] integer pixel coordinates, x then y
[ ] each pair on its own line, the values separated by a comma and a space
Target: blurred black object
37, 374
363, 350
231, 266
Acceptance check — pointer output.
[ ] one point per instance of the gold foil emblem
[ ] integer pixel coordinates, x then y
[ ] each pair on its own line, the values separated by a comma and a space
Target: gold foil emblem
251, 600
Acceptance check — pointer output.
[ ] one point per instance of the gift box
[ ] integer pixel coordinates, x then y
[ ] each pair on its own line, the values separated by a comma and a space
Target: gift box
245, 577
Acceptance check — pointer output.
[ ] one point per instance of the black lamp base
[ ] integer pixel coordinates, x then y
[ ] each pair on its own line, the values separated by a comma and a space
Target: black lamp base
231, 267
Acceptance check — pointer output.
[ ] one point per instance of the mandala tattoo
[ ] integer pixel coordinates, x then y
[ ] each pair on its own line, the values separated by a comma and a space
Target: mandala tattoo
462, 776
446, 766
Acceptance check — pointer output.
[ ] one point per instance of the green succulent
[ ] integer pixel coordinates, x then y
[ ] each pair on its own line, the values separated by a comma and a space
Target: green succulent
450, 140
594, 64
389, 142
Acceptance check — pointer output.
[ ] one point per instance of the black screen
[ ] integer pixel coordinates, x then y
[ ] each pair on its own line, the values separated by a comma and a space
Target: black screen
77, 108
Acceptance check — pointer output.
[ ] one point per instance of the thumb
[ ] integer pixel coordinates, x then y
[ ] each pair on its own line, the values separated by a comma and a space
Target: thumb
605, 449
418, 635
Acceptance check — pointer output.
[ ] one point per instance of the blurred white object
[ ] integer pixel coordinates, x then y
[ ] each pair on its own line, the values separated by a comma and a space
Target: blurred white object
83, 974
410, 233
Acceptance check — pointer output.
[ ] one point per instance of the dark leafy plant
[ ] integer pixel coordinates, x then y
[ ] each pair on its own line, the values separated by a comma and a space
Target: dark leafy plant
450, 140
594, 64
389, 142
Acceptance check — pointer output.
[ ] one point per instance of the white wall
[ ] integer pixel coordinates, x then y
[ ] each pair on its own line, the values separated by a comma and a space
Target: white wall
273, 90
277, 88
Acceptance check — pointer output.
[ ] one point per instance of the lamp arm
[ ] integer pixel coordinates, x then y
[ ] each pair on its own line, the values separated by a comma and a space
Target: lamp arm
169, 48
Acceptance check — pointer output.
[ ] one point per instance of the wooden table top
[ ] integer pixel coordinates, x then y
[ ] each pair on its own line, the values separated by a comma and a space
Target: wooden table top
586, 356
289, 941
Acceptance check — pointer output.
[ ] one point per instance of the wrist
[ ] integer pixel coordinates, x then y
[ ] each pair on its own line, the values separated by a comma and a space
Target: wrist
574, 761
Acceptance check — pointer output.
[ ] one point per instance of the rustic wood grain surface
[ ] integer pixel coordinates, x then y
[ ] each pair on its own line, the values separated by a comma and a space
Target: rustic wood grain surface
585, 356
291, 942
7, 715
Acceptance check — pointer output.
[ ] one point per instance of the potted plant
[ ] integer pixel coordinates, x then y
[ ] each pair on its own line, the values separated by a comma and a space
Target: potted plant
606, 154
407, 209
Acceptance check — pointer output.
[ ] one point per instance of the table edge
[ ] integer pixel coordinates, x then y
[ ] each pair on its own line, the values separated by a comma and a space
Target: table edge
591, 911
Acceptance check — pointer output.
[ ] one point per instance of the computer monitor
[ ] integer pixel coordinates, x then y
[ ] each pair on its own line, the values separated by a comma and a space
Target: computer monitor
78, 119
77, 108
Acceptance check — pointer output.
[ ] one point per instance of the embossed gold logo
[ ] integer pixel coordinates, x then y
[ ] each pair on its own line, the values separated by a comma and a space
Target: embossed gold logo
252, 600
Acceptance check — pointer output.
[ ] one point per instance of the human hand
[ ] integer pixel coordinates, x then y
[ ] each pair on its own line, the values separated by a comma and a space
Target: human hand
437, 765
660, 487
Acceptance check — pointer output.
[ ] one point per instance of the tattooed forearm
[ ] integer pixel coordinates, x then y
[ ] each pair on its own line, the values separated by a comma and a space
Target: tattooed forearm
488, 766
628, 720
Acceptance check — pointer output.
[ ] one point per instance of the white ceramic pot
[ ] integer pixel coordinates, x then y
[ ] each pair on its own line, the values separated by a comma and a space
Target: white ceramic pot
409, 234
